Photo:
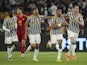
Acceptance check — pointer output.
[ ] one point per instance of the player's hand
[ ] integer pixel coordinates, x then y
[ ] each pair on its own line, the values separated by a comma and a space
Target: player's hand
75, 20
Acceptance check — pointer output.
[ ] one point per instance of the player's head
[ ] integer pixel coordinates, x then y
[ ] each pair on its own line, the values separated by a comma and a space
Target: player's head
59, 11
35, 11
6, 12
19, 10
76, 8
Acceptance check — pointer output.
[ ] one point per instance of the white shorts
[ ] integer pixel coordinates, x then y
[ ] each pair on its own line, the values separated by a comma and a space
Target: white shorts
35, 39
9, 40
15, 38
54, 38
72, 34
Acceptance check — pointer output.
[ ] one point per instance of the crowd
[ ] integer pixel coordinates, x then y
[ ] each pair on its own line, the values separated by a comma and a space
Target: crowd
46, 7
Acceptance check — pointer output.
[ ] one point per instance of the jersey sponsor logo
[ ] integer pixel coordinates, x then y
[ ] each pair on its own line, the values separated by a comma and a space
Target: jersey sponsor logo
20, 22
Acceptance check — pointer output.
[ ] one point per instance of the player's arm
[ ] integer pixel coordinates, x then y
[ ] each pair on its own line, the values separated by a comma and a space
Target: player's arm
15, 23
80, 20
45, 17
4, 26
27, 24
53, 24
64, 23
66, 17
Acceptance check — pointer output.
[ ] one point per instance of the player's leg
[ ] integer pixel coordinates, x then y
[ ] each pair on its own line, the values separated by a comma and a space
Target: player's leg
48, 44
9, 52
33, 44
15, 42
52, 45
23, 48
73, 46
23, 44
20, 41
28, 49
71, 36
36, 50
60, 38
8, 41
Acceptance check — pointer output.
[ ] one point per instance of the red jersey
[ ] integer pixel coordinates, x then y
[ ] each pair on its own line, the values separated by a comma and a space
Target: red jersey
21, 32
21, 22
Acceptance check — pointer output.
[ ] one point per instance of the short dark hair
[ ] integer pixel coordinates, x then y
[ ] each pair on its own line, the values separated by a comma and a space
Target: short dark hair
75, 4
59, 8
9, 11
6, 10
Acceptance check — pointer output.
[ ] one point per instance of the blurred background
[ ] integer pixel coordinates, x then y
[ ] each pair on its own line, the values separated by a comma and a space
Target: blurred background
48, 8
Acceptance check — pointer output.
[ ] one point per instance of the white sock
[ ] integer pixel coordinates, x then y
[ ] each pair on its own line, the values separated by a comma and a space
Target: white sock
70, 49
49, 43
29, 48
73, 49
9, 53
36, 51
12, 48
59, 54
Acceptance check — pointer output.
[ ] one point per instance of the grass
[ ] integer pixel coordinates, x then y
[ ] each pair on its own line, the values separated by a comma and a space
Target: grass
46, 58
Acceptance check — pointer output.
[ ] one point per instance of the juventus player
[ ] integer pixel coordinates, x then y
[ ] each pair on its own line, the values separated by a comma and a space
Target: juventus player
75, 19
10, 27
56, 32
34, 31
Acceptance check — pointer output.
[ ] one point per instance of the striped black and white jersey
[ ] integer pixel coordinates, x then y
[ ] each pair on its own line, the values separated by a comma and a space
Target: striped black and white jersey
73, 26
57, 20
35, 24
10, 24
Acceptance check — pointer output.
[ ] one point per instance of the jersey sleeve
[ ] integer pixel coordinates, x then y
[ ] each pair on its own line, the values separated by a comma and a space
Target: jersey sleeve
81, 18
28, 19
68, 14
4, 26
15, 19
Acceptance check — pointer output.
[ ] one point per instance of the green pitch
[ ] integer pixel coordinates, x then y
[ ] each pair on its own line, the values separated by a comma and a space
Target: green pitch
45, 58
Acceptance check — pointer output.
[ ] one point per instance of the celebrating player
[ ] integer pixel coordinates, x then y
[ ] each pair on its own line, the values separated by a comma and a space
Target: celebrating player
75, 19
34, 32
56, 31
